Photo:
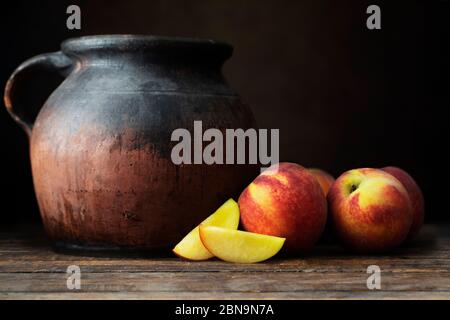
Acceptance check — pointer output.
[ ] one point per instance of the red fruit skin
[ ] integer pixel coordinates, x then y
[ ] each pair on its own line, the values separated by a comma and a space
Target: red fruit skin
376, 227
286, 203
415, 196
325, 179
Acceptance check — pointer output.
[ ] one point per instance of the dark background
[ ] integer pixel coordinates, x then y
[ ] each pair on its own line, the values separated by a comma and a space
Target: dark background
342, 96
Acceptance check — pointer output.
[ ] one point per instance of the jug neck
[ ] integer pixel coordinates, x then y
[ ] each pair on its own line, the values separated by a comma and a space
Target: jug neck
124, 50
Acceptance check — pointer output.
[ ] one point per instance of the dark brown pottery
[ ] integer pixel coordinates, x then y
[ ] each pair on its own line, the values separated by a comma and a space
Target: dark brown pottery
101, 144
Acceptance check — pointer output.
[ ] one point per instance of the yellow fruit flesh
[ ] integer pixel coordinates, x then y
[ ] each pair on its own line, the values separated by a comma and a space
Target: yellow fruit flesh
239, 246
191, 247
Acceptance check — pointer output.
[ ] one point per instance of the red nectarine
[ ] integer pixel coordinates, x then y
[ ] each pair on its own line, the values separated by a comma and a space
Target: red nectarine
285, 201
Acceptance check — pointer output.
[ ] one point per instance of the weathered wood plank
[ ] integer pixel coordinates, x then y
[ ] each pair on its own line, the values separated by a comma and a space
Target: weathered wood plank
316, 294
29, 269
176, 265
222, 282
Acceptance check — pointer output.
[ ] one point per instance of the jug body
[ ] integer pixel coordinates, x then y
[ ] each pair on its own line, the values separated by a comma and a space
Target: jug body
101, 145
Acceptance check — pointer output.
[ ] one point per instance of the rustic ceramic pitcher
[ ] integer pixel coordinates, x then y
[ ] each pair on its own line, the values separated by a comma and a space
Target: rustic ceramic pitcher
100, 146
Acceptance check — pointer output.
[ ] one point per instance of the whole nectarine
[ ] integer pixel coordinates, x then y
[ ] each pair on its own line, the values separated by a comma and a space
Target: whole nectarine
415, 195
324, 178
370, 210
285, 201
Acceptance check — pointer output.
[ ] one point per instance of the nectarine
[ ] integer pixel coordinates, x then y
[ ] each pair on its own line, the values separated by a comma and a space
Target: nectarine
415, 195
239, 246
324, 178
285, 201
370, 210
191, 246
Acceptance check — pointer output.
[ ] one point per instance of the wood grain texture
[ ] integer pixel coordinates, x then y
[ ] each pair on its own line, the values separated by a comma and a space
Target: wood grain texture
30, 269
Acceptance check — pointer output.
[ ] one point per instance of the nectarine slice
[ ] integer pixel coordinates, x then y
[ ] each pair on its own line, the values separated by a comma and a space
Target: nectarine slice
191, 247
239, 246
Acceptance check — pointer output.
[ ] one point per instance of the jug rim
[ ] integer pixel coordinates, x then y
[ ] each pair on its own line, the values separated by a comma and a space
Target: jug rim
141, 42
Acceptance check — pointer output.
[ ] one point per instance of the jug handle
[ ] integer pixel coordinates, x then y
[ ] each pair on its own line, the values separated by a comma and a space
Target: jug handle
53, 61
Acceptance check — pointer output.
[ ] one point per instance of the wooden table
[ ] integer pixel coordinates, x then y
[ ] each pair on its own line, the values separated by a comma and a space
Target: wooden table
29, 269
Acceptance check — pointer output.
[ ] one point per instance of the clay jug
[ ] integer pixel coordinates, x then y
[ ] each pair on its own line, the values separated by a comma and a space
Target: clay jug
101, 144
